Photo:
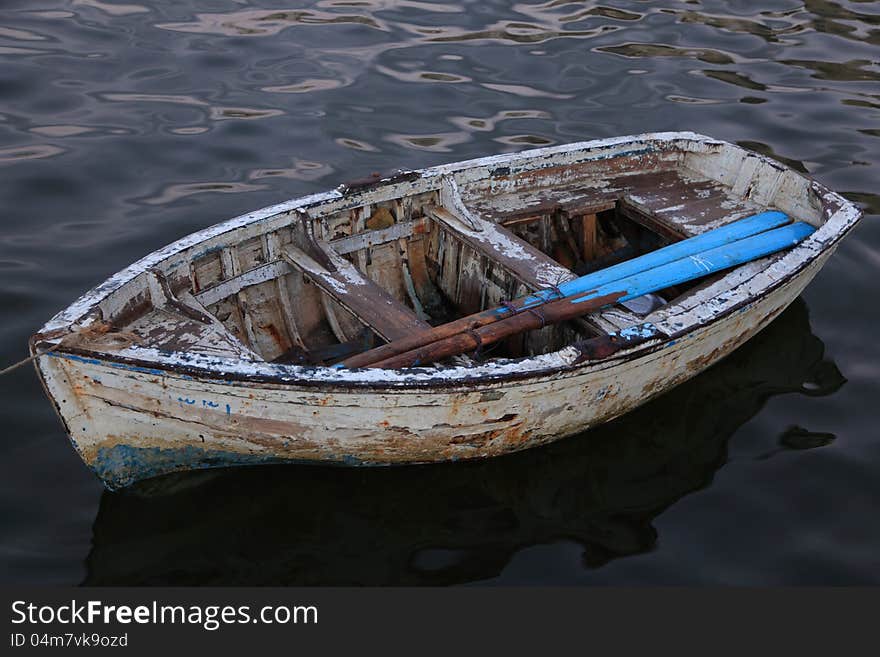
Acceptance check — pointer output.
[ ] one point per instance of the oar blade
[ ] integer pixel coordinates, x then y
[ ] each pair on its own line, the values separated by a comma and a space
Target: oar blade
708, 262
727, 234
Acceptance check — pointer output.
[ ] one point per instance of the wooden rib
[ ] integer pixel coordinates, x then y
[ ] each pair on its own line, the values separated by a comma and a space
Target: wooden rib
450, 198
246, 319
273, 252
417, 268
408, 284
232, 270
330, 312
232, 267
588, 234
372, 305
562, 222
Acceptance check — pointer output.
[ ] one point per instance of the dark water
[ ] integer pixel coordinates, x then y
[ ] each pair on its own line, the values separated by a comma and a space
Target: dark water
124, 126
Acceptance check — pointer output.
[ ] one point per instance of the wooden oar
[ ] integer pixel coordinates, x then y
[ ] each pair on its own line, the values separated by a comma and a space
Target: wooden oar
658, 278
730, 233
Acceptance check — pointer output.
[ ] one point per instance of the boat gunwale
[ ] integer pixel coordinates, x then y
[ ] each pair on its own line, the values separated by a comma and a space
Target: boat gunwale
838, 222
404, 379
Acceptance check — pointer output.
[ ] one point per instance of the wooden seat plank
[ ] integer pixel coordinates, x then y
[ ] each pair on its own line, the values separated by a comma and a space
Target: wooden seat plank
363, 298
529, 265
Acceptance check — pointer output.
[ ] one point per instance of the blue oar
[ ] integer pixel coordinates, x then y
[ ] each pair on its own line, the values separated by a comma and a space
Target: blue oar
717, 237
702, 264
673, 273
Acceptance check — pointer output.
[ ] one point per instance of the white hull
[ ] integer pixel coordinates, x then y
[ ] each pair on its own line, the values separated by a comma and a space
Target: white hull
136, 412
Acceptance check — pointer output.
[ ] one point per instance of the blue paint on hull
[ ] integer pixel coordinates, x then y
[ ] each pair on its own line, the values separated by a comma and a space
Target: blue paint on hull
110, 363
122, 465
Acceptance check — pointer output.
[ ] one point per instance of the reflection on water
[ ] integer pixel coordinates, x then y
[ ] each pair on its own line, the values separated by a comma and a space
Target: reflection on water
463, 522
125, 125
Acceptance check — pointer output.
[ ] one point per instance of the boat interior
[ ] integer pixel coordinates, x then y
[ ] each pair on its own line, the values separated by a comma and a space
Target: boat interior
322, 283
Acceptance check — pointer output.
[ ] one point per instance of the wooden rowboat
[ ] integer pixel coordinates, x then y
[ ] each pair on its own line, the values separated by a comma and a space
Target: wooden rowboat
330, 328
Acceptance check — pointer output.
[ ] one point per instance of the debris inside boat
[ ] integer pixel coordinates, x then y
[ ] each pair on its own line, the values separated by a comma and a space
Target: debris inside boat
458, 312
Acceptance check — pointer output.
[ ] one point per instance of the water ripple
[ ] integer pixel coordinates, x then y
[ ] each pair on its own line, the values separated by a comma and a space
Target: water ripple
653, 50
32, 152
113, 8
261, 23
61, 130
173, 193
436, 143
125, 125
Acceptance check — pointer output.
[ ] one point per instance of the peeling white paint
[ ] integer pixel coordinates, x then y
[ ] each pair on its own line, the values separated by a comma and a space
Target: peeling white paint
274, 216
701, 323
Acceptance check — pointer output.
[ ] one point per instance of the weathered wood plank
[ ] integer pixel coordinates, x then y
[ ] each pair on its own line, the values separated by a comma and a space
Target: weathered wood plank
166, 329
528, 264
362, 297
588, 234
218, 328
668, 231
370, 238
235, 284
273, 253
685, 202
182, 323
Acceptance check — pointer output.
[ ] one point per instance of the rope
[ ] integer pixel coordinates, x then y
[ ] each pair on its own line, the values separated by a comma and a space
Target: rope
539, 314
476, 336
508, 306
97, 334
27, 360
556, 289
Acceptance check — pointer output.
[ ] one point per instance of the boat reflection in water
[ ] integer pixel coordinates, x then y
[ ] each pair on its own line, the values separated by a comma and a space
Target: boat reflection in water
462, 522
